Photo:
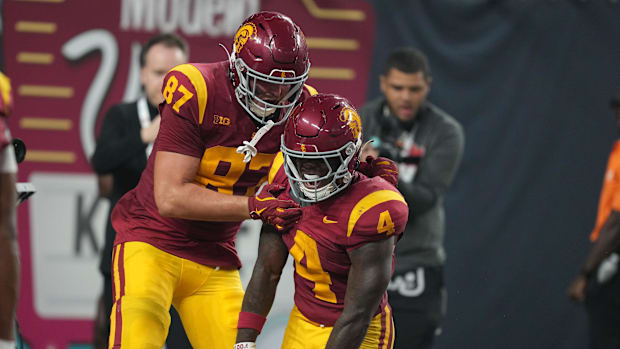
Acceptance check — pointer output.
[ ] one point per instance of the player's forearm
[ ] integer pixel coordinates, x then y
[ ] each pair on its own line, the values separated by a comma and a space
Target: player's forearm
349, 331
9, 286
258, 299
607, 242
261, 291
192, 201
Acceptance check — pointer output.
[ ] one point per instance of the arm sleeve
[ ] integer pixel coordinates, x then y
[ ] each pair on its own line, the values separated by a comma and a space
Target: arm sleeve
183, 111
436, 170
178, 134
118, 142
276, 171
385, 219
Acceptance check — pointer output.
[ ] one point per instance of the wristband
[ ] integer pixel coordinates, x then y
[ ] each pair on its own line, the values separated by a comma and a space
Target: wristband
7, 344
251, 320
245, 345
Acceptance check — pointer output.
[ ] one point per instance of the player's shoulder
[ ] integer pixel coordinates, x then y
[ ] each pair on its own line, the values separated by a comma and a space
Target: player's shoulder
187, 87
308, 91
374, 207
276, 171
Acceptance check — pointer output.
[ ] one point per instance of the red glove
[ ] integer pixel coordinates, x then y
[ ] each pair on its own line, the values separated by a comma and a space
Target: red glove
282, 214
383, 167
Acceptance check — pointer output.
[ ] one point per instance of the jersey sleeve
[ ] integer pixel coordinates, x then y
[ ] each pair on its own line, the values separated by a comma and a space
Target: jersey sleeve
276, 171
376, 216
185, 101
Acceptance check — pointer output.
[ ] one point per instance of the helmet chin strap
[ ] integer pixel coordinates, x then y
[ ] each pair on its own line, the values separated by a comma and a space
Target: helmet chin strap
249, 148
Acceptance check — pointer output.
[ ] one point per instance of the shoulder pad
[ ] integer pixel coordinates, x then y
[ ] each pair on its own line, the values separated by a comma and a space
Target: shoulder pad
185, 90
379, 213
310, 90
276, 172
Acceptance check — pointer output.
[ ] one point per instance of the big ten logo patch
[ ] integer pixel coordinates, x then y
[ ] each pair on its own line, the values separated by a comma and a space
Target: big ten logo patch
244, 34
350, 117
221, 120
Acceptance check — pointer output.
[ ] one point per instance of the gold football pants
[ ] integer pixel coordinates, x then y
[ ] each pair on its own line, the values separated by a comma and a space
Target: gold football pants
147, 280
302, 333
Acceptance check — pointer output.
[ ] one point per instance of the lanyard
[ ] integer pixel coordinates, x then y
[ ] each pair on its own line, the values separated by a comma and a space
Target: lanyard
145, 119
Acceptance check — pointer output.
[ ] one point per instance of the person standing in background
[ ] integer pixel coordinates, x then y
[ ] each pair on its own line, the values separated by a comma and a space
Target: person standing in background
123, 146
597, 284
427, 144
9, 262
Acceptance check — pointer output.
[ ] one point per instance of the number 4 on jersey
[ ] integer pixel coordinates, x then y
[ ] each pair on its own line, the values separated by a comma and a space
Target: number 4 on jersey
385, 224
171, 87
312, 271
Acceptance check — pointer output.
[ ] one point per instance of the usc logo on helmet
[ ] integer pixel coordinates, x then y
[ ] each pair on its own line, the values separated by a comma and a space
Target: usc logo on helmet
244, 34
350, 118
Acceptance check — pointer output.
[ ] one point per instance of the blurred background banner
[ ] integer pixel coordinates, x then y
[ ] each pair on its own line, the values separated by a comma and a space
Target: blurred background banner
530, 80
69, 61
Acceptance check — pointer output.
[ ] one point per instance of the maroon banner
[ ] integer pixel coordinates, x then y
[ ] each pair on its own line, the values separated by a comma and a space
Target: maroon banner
69, 61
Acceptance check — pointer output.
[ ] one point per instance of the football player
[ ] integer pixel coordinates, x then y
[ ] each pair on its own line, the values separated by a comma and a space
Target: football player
220, 130
9, 264
343, 244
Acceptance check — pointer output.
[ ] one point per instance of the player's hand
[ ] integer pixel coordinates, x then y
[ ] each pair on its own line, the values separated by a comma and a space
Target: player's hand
577, 289
149, 133
383, 167
266, 206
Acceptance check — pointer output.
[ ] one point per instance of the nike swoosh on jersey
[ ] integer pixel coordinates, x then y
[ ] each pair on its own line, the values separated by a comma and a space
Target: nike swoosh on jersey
328, 221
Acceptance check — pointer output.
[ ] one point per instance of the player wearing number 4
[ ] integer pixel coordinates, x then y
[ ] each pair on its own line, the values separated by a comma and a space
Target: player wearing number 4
343, 245
220, 130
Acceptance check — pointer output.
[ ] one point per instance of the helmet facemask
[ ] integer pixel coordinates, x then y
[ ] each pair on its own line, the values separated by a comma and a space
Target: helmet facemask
280, 91
316, 176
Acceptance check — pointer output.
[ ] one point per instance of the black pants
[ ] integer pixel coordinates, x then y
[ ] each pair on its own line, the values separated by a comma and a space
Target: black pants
603, 307
418, 299
176, 334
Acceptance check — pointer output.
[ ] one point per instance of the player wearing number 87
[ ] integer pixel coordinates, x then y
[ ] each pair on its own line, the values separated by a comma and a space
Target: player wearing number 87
343, 244
220, 130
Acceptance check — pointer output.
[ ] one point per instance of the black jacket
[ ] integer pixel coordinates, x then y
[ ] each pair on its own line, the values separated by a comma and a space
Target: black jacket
443, 140
120, 152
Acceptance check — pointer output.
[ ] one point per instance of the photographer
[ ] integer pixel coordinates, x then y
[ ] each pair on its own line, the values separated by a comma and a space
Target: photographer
427, 144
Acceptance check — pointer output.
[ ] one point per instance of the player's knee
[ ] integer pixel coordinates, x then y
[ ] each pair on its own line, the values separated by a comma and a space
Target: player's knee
144, 313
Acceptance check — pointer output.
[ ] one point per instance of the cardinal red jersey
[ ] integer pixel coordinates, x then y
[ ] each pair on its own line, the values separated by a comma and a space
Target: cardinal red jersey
369, 210
200, 118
